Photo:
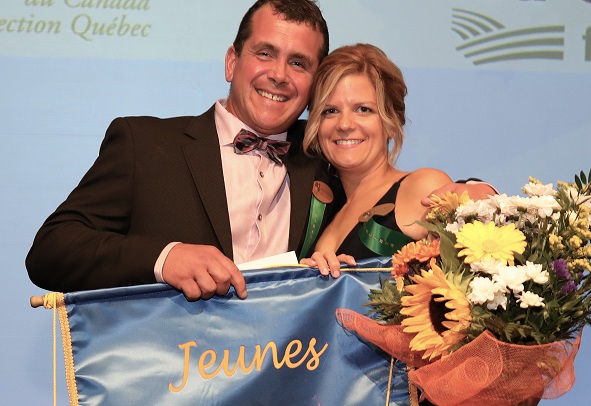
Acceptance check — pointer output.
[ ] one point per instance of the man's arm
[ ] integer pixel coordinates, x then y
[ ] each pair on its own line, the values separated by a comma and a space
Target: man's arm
111, 229
85, 243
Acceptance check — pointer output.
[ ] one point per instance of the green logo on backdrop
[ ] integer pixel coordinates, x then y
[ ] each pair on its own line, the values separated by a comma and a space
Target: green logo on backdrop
486, 40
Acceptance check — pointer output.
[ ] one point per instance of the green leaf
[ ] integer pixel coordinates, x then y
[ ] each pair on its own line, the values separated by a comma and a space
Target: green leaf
385, 302
583, 178
578, 182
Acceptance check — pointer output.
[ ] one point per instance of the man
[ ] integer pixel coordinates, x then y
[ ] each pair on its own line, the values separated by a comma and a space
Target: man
157, 182
169, 200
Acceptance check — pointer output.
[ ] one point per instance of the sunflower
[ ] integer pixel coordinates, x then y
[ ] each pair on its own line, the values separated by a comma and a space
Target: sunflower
413, 254
480, 242
437, 310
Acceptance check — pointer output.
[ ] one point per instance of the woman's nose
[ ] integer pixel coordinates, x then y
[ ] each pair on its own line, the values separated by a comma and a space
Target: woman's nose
345, 122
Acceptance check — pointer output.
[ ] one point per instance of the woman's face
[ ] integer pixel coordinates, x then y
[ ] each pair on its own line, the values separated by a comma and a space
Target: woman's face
351, 133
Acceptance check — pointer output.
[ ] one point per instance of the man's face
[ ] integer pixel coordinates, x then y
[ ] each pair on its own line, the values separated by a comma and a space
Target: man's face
270, 80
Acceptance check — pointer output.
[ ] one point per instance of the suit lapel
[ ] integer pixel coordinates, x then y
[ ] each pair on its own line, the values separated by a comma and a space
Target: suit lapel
205, 163
301, 171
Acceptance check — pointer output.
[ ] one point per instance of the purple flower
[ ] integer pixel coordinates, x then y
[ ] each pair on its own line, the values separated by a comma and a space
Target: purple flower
560, 269
569, 287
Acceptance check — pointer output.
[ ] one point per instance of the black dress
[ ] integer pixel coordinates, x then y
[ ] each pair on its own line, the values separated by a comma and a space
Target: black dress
354, 245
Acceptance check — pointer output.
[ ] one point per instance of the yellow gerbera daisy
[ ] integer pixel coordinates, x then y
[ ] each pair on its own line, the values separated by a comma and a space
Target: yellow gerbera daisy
481, 242
437, 311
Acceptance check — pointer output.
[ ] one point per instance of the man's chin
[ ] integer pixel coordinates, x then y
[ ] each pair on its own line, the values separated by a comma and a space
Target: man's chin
273, 126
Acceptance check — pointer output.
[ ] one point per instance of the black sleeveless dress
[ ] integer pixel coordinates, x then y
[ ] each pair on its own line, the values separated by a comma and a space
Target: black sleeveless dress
352, 244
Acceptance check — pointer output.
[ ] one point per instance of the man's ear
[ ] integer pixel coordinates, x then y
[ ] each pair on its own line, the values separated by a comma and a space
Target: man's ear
231, 57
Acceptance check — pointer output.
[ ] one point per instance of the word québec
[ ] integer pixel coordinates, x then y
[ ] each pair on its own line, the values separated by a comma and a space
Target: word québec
210, 363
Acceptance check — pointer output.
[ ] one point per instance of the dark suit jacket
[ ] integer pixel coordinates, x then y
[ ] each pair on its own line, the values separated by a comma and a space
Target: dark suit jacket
155, 181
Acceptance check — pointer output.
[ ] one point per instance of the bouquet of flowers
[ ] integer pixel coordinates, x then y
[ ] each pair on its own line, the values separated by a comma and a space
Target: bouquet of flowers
490, 310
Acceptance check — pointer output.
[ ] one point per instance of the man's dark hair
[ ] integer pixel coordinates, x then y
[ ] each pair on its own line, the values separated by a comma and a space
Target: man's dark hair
298, 11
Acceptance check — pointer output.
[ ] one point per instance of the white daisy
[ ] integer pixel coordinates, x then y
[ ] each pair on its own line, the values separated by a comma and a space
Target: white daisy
535, 273
511, 277
536, 189
500, 299
489, 266
485, 290
530, 299
543, 206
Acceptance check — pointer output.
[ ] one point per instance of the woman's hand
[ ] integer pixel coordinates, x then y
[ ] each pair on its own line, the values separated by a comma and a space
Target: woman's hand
328, 262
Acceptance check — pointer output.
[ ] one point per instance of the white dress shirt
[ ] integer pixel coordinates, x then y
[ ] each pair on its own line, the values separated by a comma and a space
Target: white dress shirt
257, 192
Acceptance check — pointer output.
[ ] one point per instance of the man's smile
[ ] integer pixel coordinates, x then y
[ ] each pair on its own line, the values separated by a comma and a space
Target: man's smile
272, 96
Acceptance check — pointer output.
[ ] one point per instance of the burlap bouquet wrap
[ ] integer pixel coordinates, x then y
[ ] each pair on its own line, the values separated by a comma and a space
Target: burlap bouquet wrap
486, 371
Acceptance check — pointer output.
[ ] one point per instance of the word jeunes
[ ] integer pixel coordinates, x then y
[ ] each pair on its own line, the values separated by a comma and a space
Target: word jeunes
209, 358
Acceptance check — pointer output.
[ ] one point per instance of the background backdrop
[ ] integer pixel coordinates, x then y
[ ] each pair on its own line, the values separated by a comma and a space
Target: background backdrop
498, 89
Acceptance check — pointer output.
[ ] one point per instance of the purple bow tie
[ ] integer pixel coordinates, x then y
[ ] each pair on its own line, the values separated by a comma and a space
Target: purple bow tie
246, 141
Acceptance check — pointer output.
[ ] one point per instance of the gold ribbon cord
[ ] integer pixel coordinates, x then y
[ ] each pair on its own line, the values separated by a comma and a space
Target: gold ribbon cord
55, 301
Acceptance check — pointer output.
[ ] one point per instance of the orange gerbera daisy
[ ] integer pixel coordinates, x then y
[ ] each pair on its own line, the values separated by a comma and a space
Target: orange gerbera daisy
414, 253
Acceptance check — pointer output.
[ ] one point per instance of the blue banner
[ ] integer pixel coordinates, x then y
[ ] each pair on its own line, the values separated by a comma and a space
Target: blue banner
147, 345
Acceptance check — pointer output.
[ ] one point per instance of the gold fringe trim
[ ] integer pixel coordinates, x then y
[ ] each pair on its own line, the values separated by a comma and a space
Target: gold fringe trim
55, 301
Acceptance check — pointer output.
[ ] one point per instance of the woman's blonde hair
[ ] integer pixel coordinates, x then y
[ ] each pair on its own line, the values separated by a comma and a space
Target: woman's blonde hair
382, 72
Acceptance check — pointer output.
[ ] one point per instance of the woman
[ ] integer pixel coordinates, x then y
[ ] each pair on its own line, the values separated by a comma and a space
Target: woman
355, 123
356, 111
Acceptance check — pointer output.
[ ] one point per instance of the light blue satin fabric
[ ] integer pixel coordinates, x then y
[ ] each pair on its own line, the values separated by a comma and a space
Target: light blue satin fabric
126, 343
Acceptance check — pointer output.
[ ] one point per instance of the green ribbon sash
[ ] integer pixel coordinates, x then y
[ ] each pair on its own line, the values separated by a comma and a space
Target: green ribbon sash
314, 221
382, 240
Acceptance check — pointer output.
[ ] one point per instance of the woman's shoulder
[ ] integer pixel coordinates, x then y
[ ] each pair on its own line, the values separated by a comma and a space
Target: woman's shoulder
427, 177
417, 185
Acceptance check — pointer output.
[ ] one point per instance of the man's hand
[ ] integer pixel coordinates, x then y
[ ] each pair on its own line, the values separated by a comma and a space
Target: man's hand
200, 271
477, 191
